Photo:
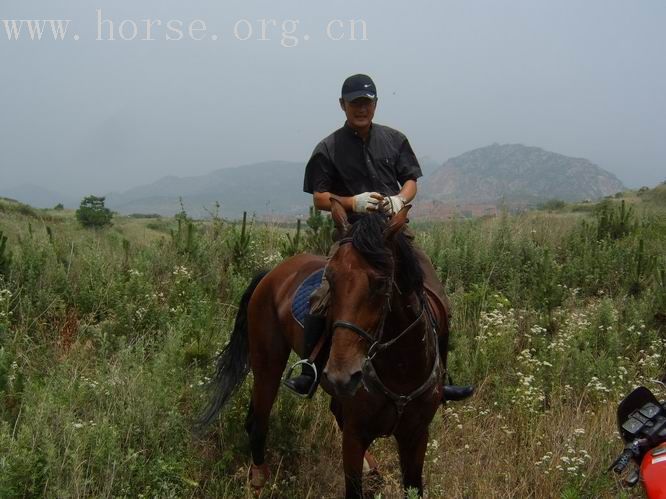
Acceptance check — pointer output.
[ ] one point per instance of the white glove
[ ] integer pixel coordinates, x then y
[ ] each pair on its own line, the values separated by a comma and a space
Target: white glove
366, 201
393, 204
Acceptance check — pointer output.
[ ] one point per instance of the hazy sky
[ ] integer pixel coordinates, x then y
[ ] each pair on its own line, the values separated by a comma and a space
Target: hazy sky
582, 78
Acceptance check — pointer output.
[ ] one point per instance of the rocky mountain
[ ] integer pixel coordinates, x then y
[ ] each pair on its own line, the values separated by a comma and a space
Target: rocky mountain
514, 172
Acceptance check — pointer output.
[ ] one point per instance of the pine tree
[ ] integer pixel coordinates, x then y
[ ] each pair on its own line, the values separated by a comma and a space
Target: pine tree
92, 213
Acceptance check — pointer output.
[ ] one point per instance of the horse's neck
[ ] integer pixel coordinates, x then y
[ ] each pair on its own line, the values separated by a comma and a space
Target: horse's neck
405, 306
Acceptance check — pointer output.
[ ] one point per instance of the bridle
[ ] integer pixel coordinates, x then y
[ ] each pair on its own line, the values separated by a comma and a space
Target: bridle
371, 378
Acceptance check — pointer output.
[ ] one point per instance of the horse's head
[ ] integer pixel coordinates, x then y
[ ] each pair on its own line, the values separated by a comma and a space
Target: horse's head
361, 275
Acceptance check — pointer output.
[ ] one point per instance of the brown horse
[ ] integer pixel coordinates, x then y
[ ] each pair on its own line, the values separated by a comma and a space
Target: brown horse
383, 371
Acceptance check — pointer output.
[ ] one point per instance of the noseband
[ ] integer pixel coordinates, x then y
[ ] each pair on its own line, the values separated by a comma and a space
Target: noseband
376, 345
370, 376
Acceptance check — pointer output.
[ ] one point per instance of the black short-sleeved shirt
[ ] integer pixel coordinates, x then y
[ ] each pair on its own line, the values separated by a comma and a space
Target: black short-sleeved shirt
345, 165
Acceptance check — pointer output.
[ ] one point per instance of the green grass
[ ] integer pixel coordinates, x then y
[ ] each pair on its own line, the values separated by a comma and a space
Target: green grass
107, 338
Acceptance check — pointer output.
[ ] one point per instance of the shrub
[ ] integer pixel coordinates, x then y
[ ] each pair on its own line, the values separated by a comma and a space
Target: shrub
292, 245
552, 205
239, 242
319, 234
5, 255
145, 215
615, 223
92, 213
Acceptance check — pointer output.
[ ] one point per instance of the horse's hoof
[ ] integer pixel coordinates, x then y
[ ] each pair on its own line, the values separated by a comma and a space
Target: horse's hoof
373, 482
370, 464
258, 477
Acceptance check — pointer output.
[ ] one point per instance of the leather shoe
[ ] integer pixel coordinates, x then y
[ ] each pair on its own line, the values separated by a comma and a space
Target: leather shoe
301, 385
456, 392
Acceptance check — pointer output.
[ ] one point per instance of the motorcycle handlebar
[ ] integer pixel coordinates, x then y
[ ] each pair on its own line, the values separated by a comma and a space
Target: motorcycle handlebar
634, 449
622, 461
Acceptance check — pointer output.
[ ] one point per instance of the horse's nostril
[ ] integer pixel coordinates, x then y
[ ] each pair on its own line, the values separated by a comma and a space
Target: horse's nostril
343, 384
334, 378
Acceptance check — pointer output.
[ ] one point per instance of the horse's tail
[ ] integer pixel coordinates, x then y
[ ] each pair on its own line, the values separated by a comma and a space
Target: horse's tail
232, 363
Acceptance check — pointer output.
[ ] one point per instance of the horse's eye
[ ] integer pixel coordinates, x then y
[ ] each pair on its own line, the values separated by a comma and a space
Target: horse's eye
378, 284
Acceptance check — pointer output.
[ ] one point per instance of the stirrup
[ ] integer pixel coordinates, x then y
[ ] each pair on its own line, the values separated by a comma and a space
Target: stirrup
315, 381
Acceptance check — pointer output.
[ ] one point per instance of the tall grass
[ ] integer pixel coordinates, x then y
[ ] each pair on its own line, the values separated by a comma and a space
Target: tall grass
107, 338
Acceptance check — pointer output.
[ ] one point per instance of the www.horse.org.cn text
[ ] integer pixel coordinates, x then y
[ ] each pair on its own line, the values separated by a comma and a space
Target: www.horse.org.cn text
287, 33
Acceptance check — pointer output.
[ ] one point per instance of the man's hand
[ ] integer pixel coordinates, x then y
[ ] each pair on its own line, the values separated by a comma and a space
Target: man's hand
367, 201
393, 204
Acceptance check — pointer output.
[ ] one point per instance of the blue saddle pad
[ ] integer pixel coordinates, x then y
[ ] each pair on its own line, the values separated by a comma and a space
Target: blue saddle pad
301, 303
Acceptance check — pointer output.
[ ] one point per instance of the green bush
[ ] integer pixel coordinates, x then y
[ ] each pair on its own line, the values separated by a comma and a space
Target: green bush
292, 245
615, 223
92, 213
5, 256
319, 233
552, 205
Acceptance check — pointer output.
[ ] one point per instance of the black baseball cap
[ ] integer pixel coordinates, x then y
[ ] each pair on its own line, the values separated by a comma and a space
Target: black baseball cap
358, 86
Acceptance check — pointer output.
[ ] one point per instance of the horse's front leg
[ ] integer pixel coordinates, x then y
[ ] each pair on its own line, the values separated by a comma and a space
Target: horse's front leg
353, 450
412, 448
336, 410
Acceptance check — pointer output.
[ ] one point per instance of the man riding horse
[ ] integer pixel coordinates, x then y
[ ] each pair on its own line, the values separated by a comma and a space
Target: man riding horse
367, 167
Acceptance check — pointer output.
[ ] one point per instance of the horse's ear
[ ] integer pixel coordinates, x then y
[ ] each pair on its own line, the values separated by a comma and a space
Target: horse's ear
397, 222
339, 215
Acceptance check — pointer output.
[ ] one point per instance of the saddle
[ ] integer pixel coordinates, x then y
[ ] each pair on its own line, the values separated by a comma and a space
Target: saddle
300, 304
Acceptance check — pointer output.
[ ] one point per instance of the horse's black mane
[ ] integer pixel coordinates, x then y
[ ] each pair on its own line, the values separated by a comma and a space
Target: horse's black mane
367, 237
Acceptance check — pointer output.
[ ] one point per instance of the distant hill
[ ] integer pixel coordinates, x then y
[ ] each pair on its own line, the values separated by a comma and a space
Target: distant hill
517, 173
478, 178
428, 166
34, 195
272, 187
